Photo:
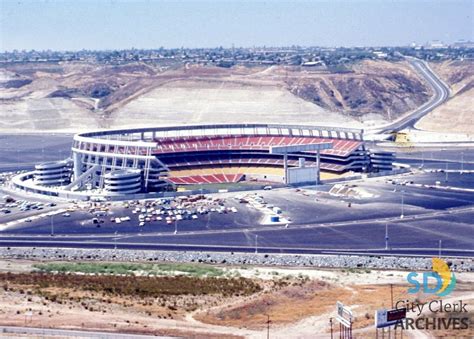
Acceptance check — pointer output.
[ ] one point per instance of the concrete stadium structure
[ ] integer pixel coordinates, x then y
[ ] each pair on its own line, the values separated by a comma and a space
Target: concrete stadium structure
157, 159
53, 173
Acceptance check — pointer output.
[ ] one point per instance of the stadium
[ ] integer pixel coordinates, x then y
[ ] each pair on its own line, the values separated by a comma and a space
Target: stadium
155, 159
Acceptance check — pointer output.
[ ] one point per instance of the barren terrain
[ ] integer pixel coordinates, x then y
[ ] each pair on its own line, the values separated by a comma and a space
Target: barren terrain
457, 114
77, 96
205, 301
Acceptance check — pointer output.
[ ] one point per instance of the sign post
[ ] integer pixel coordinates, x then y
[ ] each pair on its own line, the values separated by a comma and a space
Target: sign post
387, 318
344, 317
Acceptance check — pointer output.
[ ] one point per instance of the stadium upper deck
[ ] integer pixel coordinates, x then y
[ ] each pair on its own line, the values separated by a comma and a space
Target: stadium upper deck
341, 147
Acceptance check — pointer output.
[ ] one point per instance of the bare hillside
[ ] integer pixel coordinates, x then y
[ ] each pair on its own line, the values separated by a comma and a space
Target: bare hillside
387, 89
457, 114
73, 95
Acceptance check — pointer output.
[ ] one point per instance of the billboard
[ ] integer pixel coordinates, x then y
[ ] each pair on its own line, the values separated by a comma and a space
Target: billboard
384, 318
344, 314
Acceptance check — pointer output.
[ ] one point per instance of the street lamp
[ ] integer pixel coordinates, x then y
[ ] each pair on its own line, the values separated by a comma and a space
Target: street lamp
52, 226
403, 202
176, 226
386, 236
256, 243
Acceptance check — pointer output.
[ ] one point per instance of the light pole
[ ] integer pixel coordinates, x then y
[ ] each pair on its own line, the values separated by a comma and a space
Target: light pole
446, 173
403, 202
439, 248
256, 243
462, 162
386, 236
176, 226
115, 240
52, 226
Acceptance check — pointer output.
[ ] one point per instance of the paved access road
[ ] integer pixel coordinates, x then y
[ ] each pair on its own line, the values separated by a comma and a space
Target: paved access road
69, 333
441, 94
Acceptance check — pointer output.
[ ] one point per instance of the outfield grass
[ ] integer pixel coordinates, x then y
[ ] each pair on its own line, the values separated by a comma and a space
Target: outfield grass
196, 270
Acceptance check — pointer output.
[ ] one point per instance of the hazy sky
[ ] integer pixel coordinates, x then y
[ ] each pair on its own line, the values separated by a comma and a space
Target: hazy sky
111, 24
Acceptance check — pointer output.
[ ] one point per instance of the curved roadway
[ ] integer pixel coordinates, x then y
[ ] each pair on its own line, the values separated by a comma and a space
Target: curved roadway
441, 94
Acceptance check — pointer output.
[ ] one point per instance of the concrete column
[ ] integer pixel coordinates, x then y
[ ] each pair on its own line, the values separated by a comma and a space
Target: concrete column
77, 159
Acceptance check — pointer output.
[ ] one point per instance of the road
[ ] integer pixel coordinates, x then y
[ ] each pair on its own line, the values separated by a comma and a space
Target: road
166, 241
68, 333
441, 94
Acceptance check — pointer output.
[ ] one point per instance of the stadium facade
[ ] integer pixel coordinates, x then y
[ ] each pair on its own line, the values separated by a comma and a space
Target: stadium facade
159, 158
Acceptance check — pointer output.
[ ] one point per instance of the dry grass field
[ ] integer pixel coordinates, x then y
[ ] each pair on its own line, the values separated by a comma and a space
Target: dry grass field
200, 300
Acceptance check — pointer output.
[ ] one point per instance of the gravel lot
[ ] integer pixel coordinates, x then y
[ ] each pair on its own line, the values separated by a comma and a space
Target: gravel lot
323, 261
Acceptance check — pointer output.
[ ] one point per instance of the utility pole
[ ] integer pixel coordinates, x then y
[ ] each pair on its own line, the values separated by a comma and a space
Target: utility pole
391, 294
268, 326
330, 323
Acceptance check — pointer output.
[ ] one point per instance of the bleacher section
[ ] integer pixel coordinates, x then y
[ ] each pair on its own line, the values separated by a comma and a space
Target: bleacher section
260, 161
341, 147
206, 179
180, 176
210, 159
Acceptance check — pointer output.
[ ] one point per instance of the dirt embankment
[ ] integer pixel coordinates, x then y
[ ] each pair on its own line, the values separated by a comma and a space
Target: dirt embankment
458, 74
457, 114
387, 89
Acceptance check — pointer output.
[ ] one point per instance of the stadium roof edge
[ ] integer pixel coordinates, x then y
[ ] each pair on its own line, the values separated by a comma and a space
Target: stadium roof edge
207, 126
